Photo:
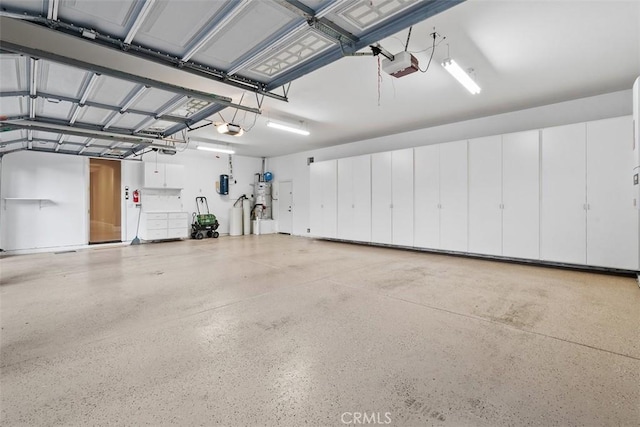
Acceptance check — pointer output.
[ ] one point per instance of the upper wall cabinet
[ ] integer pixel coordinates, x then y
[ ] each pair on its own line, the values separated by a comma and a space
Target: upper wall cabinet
521, 195
427, 197
354, 198
163, 175
612, 218
323, 198
485, 195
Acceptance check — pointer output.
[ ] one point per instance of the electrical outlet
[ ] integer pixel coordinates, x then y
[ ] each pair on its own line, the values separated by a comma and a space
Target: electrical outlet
308, 230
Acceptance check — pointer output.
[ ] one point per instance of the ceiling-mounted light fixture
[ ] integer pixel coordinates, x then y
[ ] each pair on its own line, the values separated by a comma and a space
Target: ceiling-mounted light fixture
287, 128
215, 149
230, 129
461, 75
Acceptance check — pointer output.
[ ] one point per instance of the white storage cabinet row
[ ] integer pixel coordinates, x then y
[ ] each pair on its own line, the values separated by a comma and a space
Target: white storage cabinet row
163, 225
562, 194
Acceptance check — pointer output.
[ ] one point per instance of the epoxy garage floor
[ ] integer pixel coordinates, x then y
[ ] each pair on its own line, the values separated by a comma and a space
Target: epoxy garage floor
278, 330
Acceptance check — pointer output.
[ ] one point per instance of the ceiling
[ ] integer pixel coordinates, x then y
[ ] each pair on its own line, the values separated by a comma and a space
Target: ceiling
227, 61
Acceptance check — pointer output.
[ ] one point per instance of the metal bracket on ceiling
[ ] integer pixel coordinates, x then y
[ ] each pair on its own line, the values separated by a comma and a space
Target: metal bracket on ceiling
321, 24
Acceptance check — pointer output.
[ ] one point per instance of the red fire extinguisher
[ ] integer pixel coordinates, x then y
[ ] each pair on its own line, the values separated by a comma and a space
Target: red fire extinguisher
136, 196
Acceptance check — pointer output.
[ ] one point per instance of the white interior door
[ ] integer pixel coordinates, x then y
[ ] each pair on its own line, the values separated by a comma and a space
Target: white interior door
485, 195
381, 198
612, 219
285, 207
563, 209
427, 197
521, 195
453, 196
402, 197
362, 198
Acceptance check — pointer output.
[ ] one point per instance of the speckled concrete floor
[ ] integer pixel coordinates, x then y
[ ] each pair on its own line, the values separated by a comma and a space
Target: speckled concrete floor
277, 330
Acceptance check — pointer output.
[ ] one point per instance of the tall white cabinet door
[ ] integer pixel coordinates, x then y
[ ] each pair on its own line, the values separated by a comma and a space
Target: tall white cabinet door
612, 219
346, 205
402, 197
563, 209
453, 196
315, 198
521, 195
381, 198
427, 197
362, 199
330, 199
485, 195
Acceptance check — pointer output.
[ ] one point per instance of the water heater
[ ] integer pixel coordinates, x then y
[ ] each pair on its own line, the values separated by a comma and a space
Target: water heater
223, 185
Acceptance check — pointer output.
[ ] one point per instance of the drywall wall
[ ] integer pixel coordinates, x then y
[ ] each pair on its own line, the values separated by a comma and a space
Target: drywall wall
64, 179
294, 167
202, 169
44, 201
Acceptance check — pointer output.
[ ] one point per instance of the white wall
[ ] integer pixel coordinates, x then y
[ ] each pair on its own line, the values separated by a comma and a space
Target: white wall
60, 220
65, 179
294, 167
202, 170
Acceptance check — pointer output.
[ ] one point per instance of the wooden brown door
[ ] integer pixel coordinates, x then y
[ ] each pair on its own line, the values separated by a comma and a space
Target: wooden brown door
104, 197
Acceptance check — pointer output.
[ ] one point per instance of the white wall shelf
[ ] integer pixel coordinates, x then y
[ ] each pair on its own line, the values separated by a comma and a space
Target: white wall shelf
27, 199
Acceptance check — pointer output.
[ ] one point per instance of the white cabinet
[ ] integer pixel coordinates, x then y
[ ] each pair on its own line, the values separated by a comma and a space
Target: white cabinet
163, 175
164, 225
521, 195
402, 197
323, 199
354, 198
453, 196
427, 197
612, 218
485, 195
563, 204
381, 225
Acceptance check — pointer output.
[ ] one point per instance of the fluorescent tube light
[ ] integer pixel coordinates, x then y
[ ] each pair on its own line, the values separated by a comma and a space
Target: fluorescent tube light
465, 80
287, 128
216, 149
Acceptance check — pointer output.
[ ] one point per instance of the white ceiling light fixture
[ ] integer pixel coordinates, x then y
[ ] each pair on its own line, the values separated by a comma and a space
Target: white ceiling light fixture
230, 129
288, 128
461, 75
213, 148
